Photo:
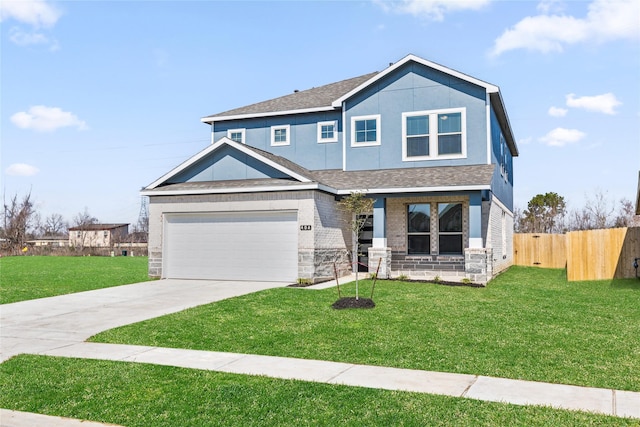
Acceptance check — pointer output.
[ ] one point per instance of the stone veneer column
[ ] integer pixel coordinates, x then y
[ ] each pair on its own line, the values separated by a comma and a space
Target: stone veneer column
385, 265
478, 264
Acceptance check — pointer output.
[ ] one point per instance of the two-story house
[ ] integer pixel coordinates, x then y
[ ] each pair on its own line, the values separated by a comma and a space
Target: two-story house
97, 235
432, 146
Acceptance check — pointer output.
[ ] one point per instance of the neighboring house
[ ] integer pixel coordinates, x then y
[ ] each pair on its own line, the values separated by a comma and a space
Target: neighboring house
431, 145
97, 235
50, 241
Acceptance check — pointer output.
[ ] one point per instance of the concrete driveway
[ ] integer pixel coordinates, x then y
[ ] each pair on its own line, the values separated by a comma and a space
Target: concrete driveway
49, 323
58, 326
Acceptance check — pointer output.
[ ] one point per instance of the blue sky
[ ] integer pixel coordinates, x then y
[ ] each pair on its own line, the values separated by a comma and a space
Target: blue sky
99, 99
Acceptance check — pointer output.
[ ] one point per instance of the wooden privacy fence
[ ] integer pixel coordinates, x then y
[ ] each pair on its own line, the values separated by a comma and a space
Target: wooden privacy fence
587, 255
540, 250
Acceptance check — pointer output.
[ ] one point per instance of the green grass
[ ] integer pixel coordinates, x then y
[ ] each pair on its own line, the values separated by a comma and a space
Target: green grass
133, 394
528, 324
29, 277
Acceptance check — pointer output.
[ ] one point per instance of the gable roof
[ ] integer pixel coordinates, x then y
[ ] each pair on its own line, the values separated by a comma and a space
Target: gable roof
330, 97
413, 58
338, 182
281, 164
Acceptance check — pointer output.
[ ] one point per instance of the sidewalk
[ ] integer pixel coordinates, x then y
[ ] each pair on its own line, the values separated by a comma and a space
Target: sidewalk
59, 326
597, 400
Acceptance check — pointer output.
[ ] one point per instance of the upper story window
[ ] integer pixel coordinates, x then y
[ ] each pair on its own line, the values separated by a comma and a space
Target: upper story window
365, 131
236, 135
504, 167
280, 135
328, 131
436, 134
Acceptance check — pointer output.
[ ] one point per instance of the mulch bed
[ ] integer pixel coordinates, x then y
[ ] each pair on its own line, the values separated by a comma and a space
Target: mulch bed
352, 302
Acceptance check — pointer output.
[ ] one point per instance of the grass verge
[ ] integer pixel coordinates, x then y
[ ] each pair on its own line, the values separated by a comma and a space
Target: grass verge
529, 323
30, 277
147, 395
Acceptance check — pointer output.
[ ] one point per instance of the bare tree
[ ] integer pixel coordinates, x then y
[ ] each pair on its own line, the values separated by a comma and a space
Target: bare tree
600, 210
84, 218
54, 225
81, 221
625, 214
17, 219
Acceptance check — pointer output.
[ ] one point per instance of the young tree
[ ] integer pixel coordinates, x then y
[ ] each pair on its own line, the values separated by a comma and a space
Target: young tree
360, 207
17, 219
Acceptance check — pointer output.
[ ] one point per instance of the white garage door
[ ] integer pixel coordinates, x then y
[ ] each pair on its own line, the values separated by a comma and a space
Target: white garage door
232, 246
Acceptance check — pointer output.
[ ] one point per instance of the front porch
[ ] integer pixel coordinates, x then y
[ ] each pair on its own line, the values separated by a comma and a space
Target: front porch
444, 240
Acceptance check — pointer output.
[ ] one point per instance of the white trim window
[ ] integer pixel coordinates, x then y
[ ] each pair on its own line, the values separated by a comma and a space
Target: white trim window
365, 130
280, 135
236, 135
504, 167
328, 131
434, 134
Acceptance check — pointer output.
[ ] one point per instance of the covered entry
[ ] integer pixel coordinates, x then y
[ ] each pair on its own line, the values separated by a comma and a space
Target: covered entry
253, 245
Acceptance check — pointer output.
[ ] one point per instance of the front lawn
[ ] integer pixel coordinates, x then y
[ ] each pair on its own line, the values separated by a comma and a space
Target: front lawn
30, 277
133, 394
529, 323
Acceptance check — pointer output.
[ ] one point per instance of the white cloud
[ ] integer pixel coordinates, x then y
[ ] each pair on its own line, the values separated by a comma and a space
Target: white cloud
37, 13
525, 141
606, 20
22, 38
47, 119
605, 103
557, 112
546, 6
21, 169
559, 137
433, 10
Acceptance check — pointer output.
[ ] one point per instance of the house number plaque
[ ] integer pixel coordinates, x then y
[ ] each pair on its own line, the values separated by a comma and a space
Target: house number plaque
305, 227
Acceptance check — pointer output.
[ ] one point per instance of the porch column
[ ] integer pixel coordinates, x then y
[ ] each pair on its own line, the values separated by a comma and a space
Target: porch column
478, 260
475, 220
380, 223
379, 252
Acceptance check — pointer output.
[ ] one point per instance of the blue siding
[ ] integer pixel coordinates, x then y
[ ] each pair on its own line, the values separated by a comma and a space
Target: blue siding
226, 163
415, 88
502, 188
304, 148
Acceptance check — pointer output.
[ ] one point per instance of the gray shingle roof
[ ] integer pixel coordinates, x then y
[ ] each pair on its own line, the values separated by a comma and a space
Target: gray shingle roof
316, 97
338, 180
95, 227
442, 176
